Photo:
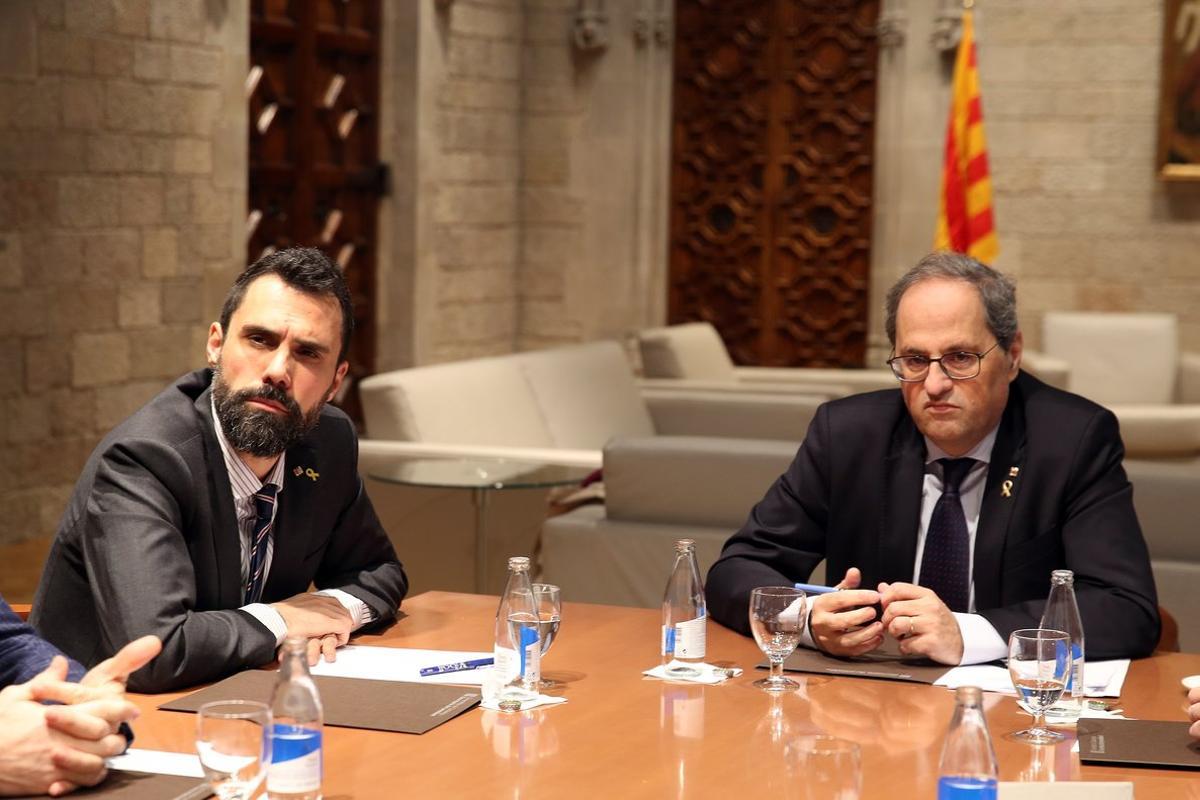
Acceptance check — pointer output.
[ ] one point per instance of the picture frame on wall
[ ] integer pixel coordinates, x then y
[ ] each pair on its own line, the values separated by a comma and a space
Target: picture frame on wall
1179, 100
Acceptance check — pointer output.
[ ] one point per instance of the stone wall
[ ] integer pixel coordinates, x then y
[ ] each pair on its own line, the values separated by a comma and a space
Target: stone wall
1070, 102
529, 204
122, 197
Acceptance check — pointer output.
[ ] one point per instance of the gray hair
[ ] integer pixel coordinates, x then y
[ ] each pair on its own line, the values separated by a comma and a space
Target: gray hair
997, 292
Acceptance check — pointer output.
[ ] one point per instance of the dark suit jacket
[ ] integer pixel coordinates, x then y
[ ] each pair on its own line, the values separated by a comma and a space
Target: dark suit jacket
853, 496
23, 654
149, 543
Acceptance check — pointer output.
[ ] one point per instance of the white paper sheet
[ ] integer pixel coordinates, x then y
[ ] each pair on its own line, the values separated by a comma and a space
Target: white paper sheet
401, 664
1101, 678
161, 762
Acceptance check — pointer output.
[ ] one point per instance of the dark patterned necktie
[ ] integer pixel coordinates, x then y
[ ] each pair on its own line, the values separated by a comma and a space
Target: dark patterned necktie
945, 564
264, 513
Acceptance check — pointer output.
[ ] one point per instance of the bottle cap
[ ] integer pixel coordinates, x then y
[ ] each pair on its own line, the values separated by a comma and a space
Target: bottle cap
968, 696
518, 562
1062, 576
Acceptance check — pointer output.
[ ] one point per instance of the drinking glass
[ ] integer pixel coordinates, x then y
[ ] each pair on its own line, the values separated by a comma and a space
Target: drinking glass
831, 768
1039, 660
777, 617
233, 741
548, 599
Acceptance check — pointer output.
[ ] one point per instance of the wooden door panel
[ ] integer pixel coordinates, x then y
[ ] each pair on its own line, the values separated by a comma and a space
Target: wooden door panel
315, 176
772, 176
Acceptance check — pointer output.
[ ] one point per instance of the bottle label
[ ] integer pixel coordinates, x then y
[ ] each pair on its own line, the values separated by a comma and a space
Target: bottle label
507, 665
531, 654
295, 759
668, 640
689, 638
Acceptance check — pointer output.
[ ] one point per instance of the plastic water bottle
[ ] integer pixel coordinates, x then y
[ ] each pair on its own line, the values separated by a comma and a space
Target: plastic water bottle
1062, 614
685, 618
295, 770
518, 647
968, 766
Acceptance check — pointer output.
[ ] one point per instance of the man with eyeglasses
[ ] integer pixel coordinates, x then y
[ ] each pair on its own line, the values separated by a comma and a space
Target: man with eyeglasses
951, 500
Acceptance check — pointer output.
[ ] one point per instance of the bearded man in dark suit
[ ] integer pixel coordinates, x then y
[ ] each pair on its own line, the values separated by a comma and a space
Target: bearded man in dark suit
205, 516
948, 502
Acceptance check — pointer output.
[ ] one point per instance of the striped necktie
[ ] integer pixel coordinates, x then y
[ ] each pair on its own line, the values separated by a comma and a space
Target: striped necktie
264, 513
945, 564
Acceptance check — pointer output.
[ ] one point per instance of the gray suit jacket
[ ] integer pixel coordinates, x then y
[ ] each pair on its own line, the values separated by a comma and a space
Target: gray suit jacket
149, 544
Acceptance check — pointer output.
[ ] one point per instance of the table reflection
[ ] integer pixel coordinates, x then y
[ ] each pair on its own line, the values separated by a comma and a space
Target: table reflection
524, 738
874, 713
681, 710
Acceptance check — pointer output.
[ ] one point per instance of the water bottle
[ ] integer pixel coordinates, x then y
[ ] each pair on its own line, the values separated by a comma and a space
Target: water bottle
968, 767
295, 770
684, 615
518, 647
1062, 614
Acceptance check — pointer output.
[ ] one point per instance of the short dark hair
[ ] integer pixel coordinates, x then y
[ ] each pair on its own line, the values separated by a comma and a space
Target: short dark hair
997, 291
305, 269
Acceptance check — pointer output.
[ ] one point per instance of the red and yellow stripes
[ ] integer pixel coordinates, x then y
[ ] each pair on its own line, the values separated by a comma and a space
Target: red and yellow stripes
965, 222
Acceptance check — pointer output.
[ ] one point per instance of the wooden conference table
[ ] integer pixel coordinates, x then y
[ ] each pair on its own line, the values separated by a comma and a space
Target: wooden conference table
624, 736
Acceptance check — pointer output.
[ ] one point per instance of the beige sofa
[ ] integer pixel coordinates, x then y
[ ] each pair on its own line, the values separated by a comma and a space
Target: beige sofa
555, 406
692, 354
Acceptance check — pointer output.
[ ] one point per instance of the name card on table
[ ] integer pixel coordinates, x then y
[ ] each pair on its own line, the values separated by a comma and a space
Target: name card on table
1065, 790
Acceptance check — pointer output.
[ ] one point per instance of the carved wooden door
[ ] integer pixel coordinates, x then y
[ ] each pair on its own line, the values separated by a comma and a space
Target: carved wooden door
771, 173
315, 176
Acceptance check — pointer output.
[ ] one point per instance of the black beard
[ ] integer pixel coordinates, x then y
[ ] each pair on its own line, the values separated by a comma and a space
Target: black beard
260, 433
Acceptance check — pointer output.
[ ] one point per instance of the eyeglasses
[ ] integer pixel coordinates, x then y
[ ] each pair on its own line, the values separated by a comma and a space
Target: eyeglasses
960, 366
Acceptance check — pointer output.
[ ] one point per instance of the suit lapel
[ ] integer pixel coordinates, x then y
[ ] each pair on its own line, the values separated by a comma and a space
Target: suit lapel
999, 500
226, 538
293, 522
902, 498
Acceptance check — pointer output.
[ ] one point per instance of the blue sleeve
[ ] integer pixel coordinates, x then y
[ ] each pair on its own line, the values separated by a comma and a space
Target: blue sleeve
23, 654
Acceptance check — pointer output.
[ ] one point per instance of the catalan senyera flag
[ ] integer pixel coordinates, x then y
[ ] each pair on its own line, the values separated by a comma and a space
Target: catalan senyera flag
965, 223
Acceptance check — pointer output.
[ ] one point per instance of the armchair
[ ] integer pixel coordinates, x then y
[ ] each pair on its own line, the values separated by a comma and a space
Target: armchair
1131, 363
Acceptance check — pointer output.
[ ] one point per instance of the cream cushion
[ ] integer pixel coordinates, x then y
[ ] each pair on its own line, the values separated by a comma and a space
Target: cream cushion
482, 402
1116, 358
585, 394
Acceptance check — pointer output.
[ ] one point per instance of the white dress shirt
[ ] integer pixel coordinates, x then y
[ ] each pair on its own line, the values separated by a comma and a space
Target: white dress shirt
981, 641
245, 484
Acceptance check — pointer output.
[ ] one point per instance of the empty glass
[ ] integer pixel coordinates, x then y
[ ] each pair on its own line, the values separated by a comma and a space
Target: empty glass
831, 768
234, 746
548, 599
1039, 660
777, 619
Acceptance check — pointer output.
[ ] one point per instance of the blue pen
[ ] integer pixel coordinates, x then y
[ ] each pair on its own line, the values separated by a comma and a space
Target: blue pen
812, 588
461, 666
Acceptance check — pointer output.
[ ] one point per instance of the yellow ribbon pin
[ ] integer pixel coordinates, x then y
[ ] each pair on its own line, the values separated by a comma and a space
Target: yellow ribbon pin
312, 473
1006, 488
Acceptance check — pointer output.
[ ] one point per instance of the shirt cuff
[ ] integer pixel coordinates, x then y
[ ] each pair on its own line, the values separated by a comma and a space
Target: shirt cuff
981, 642
269, 617
360, 613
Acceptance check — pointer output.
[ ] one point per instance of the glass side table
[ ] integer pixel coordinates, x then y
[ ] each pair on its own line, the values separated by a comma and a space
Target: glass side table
481, 476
